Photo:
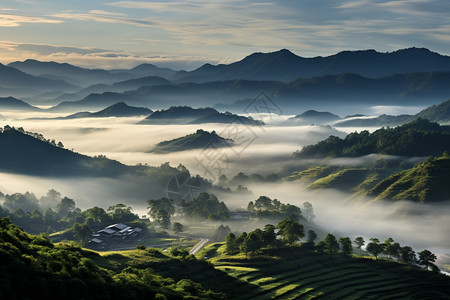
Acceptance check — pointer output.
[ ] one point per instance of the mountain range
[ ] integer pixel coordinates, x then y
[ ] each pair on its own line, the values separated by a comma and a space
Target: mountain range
402, 77
285, 66
120, 109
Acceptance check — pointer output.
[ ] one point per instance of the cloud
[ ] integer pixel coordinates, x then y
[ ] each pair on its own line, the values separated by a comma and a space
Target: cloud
104, 17
95, 57
14, 20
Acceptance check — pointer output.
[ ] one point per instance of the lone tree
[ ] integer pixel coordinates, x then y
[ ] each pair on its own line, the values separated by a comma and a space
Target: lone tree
252, 243
177, 227
160, 210
374, 247
291, 231
330, 244
346, 246
426, 258
308, 211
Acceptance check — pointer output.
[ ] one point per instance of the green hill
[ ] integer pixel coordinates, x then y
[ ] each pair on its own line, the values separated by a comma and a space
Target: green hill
31, 267
418, 138
198, 140
294, 273
427, 182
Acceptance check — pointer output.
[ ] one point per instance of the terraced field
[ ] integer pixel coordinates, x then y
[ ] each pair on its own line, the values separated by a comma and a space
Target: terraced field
299, 275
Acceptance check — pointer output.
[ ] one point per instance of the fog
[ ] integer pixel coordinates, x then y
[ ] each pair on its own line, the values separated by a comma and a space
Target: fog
264, 150
417, 225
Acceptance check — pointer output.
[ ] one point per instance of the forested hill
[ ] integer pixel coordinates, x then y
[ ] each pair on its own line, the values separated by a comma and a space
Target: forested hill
29, 153
34, 268
427, 182
418, 138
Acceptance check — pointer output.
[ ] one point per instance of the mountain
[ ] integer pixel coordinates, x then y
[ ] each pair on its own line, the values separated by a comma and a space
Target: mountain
226, 117
382, 120
200, 139
427, 182
417, 138
16, 82
285, 66
298, 95
152, 70
11, 103
29, 153
75, 75
313, 117
120, 109
117, 87
189, 115
436, 113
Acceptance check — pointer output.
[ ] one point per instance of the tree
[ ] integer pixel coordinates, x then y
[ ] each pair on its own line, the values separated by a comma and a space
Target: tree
240, 240
407, 255
231, 246
308, 211
374, 247
52, 199
346, 246
66, 206
359, 241
268, 235
160, 210
121, 213
311, 236
252, 243
330, 244
177, 227
82, 233
426, 258
391, 249
291, 231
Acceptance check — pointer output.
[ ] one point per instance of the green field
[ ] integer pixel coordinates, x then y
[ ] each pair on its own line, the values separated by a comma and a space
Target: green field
297, 274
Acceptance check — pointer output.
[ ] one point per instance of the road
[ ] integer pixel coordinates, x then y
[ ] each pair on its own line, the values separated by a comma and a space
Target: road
199, 246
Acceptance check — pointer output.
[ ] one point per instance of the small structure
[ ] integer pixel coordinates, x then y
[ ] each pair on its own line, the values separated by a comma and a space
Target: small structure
111, 233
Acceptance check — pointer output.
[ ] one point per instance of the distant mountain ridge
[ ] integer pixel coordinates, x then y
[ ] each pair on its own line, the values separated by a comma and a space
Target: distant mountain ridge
434, 113
11, 103
313, 117
189, 115
120, 109
411, 88
285, 66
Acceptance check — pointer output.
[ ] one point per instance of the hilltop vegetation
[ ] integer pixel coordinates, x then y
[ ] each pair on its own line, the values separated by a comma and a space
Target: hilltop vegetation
198, 140
427, 182
32, 265
418, 138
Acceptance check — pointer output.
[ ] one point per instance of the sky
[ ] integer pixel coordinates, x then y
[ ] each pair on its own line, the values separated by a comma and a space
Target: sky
185, 34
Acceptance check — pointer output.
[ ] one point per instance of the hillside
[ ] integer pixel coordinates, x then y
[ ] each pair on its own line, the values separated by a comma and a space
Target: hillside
418, 138
284, 65
200, 139
120, 109
436, 113
427, 182
299, 273
73, 74
11, 103
313, 117
189, 115
32, 265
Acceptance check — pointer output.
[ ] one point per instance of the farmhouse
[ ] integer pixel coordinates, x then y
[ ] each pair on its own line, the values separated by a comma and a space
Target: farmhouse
111, 233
